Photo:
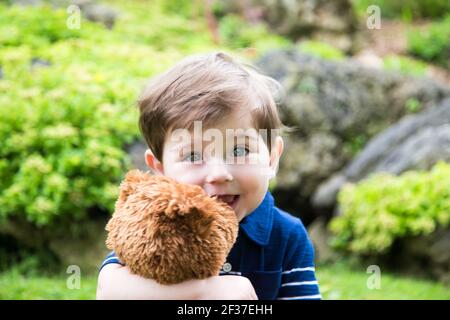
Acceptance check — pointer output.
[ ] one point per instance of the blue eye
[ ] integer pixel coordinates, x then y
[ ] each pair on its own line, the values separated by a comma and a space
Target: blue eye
193, 157
240, 151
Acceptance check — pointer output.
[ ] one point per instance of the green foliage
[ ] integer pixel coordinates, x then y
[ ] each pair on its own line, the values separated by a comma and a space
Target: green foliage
413, 105
179, 7
272, 184
405, 65
344, 281
433, 43
16, 286
405, 9
23, 26
63, 126
236, 34
321, 50
355, 144
383, 208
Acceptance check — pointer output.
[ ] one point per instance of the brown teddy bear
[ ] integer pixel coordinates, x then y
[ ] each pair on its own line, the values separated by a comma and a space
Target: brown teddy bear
170, 231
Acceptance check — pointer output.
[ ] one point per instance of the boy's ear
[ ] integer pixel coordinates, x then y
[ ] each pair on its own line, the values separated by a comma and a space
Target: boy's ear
275, 154
152, 163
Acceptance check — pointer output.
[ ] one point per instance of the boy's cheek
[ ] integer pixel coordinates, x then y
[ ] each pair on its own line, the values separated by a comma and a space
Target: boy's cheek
184, 173
187, 178
256, 171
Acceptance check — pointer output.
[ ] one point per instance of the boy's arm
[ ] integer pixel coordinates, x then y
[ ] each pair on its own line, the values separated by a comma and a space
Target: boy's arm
299, 277
116, 282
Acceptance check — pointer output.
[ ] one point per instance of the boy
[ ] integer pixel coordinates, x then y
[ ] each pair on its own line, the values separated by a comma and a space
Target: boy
212, 122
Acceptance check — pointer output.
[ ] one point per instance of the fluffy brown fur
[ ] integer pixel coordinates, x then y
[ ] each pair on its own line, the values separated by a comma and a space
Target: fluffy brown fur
169, 231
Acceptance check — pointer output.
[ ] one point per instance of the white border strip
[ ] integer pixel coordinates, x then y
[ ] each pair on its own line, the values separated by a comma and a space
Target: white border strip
316, 296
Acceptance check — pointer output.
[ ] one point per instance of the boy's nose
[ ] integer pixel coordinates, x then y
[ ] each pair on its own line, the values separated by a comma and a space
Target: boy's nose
218, 172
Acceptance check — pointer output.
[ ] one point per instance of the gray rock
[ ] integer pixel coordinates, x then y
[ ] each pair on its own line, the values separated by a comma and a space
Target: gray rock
306, 163
96, 12
330, 21
402, 146
335, 107
421, 151
321, 236
415, 142
343, 97
38, 62
326, 194
428, 255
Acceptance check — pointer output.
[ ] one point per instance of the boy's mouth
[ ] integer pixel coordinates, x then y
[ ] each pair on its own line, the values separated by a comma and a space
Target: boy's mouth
229, 199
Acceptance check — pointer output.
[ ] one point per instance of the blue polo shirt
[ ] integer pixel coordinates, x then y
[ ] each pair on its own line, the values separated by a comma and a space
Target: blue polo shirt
274, 252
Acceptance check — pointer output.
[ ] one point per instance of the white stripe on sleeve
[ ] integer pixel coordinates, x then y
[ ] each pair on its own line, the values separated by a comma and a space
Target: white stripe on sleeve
302, 283
299, 270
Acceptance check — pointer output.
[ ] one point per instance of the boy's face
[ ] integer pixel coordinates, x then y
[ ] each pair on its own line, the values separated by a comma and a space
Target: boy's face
229, 159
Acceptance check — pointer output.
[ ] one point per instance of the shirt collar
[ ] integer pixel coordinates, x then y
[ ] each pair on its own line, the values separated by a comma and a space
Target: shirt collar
258, 224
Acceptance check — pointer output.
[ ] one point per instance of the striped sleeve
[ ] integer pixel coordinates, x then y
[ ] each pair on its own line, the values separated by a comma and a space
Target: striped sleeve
299, 277
110, 258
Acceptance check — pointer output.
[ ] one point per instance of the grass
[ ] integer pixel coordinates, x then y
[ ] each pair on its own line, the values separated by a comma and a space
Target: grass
338, 282
15, 286
342, 282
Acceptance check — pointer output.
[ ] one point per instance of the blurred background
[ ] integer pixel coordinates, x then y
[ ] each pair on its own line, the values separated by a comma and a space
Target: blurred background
367, 170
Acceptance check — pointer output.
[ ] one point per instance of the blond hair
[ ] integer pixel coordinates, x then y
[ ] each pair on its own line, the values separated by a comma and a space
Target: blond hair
206, 88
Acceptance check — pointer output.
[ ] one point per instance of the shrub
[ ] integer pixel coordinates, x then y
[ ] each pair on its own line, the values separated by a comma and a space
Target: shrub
383, 208
321, 50
236, 34
64, 123
405, 9
21, 26
432, 44
405, 65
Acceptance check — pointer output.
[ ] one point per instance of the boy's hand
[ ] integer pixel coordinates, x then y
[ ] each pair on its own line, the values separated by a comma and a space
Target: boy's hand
117, 282
228, 288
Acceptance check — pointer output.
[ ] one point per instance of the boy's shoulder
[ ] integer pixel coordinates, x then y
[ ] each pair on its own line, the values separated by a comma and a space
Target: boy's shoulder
286, 225
286, 219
